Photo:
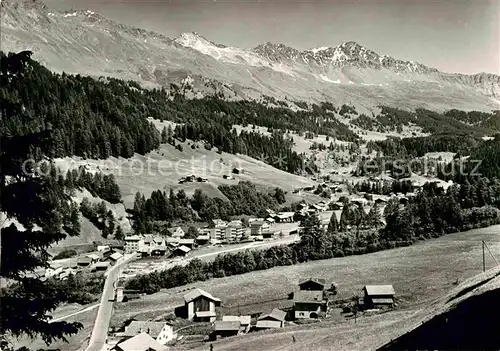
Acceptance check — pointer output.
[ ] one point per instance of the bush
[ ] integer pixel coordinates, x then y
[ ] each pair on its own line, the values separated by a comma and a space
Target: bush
65, 254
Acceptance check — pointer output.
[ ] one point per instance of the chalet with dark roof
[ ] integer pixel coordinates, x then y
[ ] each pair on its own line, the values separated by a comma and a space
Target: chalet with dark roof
312, 284
200, 305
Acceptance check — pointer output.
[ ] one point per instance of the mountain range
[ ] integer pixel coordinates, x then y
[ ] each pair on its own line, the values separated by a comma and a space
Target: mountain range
85, 42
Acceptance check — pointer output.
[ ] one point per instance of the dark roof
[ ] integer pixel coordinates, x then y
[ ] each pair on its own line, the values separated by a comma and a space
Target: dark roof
304, 296
227, 326
320, 281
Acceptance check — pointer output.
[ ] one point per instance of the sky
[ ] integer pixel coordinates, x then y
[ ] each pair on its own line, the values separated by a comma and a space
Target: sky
451, 35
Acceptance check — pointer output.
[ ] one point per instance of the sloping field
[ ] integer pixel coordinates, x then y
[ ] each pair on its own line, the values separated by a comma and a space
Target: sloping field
162, 169
420, 274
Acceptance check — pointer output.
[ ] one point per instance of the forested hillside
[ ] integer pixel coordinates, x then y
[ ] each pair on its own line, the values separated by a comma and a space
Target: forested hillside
244, 199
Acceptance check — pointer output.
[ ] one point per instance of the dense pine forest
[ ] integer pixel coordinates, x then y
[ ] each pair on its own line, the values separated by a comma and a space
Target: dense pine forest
88, 117
453, 121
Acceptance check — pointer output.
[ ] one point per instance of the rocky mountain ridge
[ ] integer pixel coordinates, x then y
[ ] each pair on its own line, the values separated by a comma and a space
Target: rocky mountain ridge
85, 42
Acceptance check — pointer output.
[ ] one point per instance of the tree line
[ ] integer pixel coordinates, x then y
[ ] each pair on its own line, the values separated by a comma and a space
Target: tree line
242, 199
433, 122
98, 184
276, 149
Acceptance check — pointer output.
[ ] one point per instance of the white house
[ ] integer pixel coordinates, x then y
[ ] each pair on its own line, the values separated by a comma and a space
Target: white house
134, 243
234, 230
53, 270
259, 227
176, 232
103, 248
162, 332
218, 229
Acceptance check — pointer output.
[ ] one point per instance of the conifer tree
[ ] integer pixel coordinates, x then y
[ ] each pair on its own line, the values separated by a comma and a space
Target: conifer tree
40, 205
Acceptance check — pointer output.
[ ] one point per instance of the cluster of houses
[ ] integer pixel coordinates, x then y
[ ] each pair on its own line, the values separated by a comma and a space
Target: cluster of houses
192, 178
99, 261
157, 245
310, 301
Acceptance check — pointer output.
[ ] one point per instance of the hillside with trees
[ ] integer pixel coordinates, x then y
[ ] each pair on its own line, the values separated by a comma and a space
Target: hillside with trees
27, 302
244, 199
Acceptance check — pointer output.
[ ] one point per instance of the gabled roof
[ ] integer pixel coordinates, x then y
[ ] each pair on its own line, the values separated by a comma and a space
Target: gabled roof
275, 314
183, 248
320, 281
227, 325
158, 240
141, 342
159, 248
268, 324
94, 256
153, 329
257, 223
116, 256
186, 241
244, 320
85, 260
379, 290
195, 293
285, 214
235, 223
305, 296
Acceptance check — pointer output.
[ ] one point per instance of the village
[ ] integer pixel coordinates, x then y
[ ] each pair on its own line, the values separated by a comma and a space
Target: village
157, 252
312, 300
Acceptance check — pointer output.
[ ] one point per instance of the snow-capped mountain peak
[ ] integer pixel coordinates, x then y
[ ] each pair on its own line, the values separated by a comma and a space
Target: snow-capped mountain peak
194, 39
